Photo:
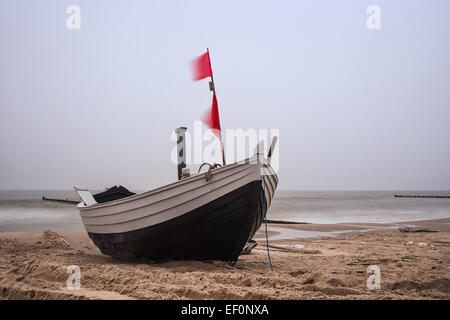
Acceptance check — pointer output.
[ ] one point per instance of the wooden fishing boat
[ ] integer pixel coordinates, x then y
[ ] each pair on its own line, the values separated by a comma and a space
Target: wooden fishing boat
207, 216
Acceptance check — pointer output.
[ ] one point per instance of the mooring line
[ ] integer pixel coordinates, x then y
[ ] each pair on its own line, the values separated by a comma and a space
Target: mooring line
265, 220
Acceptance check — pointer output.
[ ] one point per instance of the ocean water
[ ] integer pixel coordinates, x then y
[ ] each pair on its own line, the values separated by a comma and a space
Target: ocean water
26, 211
358, 206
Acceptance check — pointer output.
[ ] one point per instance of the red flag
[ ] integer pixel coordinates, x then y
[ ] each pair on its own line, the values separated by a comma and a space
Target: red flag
201, 67
211, 118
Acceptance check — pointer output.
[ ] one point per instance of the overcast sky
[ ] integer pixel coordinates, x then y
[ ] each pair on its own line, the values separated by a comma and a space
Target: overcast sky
357, 109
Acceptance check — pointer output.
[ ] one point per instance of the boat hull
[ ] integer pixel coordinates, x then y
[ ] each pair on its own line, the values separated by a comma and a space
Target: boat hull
201, 217
217, 230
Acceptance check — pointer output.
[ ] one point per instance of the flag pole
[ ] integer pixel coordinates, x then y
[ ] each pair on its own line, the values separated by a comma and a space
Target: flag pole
212, 87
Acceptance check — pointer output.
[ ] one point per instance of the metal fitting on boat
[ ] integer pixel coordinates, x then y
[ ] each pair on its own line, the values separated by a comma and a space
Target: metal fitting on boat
185, 173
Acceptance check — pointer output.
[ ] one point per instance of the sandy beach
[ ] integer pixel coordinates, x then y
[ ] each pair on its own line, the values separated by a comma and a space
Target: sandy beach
311, 261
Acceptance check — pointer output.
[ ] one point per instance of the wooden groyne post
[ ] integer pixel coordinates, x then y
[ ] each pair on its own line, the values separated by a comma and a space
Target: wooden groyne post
420, 196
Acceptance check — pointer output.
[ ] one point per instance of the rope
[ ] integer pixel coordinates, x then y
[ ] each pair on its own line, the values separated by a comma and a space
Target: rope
208, 174
265, 220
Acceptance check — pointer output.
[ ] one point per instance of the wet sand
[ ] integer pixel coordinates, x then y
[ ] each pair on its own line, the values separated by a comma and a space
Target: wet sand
310, 261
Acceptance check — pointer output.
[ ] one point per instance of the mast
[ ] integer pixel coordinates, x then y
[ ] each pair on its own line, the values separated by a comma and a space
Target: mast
212, 88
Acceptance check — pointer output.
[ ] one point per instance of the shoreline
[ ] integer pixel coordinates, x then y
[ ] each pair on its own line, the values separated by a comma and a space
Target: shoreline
311, 230
330, 264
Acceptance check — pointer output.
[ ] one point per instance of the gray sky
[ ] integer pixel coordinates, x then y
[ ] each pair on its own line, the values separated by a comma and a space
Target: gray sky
356, 108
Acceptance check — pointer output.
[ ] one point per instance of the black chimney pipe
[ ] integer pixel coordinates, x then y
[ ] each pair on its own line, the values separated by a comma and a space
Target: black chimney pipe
181, 145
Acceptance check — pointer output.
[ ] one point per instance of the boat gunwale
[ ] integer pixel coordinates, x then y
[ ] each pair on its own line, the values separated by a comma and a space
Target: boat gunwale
176, 195
159, 189
253, 161
167, 209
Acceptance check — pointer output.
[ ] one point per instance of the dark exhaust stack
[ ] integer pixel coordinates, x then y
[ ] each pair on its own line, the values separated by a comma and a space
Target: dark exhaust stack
181, 145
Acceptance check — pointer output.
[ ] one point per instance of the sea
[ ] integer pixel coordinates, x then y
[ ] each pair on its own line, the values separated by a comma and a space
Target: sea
24, 210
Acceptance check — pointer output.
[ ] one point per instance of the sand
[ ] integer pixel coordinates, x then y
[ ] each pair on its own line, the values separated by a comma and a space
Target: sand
33, 265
